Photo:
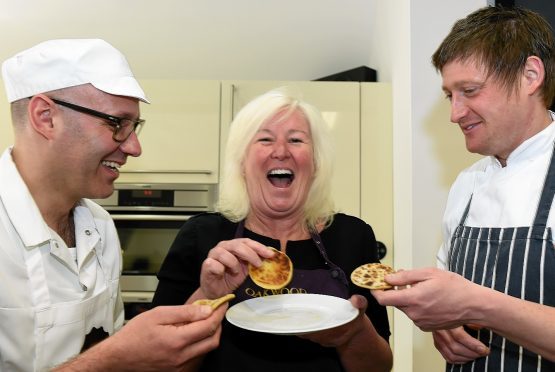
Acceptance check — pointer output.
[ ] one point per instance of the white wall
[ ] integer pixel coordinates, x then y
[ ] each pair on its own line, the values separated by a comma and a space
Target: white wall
204, 39
438, 148
428, 151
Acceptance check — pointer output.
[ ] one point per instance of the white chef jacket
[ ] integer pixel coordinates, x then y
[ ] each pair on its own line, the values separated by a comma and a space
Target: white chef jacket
501, 196
68, 283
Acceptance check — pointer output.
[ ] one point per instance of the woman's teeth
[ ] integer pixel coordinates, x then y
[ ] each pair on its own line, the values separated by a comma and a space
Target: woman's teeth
280, 172
280, 177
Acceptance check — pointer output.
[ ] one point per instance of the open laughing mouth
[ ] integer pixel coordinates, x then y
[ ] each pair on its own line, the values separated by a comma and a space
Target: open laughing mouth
281, 177
112, 165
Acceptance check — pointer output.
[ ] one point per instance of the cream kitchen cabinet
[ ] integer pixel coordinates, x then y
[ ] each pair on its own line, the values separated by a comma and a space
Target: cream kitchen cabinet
339, 103
180, 139
376, 153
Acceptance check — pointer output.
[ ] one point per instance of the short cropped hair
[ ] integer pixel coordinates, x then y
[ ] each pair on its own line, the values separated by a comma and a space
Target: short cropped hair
500, 40
234, 201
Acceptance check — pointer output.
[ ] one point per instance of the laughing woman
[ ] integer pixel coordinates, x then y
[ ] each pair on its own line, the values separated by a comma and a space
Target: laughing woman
276, 192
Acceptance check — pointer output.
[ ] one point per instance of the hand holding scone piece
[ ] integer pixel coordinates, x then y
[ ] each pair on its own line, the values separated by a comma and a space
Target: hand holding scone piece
215, 303
274, 273
372, 276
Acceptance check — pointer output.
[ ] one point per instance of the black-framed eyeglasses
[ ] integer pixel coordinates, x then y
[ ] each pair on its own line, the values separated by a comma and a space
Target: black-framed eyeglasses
122, 127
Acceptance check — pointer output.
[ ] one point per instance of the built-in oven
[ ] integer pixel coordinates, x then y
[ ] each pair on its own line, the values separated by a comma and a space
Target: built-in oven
147, 218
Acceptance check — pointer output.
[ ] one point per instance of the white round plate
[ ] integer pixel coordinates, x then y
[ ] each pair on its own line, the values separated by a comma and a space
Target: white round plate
291, 314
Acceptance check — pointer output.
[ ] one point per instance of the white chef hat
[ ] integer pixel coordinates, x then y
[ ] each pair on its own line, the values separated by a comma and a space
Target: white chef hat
64, 63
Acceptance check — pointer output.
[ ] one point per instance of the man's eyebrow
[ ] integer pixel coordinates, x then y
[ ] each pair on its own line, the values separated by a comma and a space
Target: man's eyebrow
462, 83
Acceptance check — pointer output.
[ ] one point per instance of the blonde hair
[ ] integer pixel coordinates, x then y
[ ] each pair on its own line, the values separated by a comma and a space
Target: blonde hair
234, 201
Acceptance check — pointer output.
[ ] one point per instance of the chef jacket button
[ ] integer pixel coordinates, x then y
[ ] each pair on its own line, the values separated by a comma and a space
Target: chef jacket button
84, 287
88, 232
334, 274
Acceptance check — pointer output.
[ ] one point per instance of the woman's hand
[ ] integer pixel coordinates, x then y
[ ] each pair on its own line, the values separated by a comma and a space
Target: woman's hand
343, 334
226, 266
357, 343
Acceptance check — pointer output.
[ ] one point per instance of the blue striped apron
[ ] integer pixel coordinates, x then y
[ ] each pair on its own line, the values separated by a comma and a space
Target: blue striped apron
518, 261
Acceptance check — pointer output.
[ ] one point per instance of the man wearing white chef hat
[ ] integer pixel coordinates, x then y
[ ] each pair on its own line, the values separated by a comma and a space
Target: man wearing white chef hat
76, 117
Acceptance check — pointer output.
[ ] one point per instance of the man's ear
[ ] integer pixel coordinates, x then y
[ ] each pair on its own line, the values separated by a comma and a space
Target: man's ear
534, 75
41, 111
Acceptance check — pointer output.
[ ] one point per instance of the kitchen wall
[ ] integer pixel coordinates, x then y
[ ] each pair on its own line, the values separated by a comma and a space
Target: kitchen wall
294, 40
205, 39
430, 151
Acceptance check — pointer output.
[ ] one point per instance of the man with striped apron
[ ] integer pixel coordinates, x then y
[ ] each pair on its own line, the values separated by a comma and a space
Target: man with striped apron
518, 261
491, 302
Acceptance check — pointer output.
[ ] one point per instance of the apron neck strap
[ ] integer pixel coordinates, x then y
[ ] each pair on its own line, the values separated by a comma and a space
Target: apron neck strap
466, 209
546, 198
240, 232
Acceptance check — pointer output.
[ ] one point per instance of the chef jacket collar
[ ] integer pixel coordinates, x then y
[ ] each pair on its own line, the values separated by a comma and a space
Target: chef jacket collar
528, 150
20, 205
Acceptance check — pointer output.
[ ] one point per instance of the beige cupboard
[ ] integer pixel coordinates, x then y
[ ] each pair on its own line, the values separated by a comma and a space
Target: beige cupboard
180, 140
376, 154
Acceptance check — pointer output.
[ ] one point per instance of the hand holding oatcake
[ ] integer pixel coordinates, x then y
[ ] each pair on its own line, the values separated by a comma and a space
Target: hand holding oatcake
215, 303
226, 266
274, 273
372, 276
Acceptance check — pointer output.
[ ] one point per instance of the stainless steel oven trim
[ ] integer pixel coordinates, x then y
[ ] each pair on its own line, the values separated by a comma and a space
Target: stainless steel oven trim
141, 283
188, 198
149, 217
137, 296
167, 171
138, 286
167, 186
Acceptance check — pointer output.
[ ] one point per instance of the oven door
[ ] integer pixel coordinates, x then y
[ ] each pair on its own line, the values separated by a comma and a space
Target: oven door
145, 240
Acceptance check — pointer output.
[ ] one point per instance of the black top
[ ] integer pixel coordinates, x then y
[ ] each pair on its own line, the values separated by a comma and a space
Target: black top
349, 243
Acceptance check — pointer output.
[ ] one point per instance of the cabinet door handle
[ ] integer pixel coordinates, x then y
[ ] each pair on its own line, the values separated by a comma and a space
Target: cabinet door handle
167, 171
